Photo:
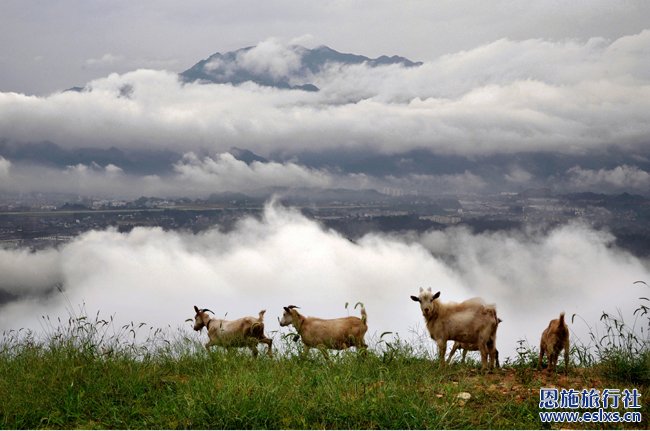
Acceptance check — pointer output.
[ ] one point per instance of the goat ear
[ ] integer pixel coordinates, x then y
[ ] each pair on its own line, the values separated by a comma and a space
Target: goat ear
436, 295
415, 298
286, 309
196, 309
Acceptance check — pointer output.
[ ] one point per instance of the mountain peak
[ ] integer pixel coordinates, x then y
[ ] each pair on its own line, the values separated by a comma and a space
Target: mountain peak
246, 156
281, 66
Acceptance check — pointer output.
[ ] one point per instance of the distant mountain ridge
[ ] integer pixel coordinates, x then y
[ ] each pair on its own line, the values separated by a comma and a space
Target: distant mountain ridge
46, 153
231, 67
148, 162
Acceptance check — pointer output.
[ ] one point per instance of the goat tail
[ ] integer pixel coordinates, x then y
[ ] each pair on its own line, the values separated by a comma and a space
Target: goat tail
261, 316
562, 318
364, 316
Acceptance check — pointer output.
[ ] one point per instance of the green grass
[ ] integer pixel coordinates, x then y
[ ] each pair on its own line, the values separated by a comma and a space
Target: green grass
65, 389
621, 350
85, 374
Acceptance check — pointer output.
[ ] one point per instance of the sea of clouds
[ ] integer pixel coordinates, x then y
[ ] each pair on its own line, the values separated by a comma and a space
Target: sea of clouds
577, 97
505, 96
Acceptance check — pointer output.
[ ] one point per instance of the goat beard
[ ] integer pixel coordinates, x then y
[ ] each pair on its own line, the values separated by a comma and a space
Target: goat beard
429, 315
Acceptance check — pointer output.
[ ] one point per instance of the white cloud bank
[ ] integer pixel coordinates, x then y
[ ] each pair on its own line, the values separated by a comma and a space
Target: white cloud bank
228, 173
507, 96
270, 57
620, 177
5, 166
198, 177
192, 176
153, 276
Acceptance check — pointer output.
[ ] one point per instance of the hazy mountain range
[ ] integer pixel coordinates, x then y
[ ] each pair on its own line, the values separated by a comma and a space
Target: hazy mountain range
239, 66
542, 169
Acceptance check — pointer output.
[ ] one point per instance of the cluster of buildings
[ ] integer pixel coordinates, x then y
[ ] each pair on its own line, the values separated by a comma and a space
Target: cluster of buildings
38, 223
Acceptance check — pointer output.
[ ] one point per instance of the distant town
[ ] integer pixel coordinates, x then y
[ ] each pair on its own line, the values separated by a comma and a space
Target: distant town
39, 221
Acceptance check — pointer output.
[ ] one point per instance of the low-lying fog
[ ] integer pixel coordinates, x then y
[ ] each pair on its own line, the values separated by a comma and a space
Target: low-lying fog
153, 276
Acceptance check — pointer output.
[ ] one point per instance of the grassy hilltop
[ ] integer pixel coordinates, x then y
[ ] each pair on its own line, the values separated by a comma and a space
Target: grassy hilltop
79, 377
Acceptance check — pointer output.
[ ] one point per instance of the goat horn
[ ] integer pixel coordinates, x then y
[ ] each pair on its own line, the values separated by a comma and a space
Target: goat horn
206, 309
293, 306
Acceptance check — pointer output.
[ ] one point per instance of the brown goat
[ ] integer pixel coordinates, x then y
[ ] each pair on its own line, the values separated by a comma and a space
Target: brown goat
244, 332
324, 334
555, 338
469, 347
470, 322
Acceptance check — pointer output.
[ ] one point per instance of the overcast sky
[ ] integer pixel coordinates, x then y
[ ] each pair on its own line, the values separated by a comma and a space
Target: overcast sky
53, 45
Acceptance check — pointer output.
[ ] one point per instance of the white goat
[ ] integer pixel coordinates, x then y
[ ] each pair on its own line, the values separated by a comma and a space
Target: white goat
244, 332
324, 334
470, 322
